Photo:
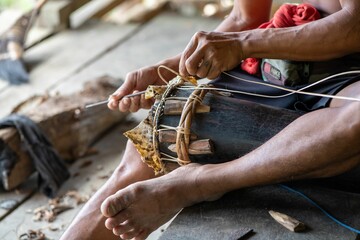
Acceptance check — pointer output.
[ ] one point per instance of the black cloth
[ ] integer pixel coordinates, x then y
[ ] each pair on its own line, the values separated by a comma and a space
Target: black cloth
52, 170
294, 101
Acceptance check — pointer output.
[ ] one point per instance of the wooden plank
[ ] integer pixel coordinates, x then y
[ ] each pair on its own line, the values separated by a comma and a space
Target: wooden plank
164, 36
61, 56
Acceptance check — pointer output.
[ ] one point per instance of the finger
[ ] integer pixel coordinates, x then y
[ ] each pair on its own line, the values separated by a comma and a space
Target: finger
190, 48
195, 61
145, 103
124, 105
215, 70
113, 103
135, 103
204, 69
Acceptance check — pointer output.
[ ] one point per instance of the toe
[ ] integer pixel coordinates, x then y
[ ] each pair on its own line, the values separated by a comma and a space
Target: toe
142, 235
114, 204
123, 228
121, 218
130, 234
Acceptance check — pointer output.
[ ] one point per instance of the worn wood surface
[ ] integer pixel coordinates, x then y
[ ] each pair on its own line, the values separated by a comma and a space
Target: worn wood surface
61, 57
248, 209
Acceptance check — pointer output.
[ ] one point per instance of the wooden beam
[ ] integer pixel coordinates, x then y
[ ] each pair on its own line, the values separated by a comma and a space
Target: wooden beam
66, 12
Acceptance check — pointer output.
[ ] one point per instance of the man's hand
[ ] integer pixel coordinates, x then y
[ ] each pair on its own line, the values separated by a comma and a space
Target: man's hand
135, 81
210, 53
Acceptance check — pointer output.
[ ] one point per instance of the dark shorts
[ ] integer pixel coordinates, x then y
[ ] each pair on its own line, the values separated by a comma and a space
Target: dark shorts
295, 101
348, 181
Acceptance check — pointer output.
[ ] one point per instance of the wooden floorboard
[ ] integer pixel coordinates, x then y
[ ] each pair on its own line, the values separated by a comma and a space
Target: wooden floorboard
164, 36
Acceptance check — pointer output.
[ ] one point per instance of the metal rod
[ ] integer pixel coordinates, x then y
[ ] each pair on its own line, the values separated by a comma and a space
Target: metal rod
106, 101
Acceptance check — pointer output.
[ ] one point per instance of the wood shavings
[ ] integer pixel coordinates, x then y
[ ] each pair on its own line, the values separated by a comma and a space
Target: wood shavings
90, 152
79, 199
33, 235
58, 205
86, 164
50, 212
105, 176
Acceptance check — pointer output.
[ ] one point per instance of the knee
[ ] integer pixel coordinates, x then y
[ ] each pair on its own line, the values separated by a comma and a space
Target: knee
350, 119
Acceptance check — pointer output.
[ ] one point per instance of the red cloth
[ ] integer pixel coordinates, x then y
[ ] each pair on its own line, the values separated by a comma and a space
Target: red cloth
288, 15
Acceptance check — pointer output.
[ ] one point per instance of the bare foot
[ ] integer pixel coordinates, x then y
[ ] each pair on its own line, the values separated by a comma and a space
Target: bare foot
139, 209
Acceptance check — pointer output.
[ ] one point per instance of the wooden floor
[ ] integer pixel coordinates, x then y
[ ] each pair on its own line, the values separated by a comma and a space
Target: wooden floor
61, 64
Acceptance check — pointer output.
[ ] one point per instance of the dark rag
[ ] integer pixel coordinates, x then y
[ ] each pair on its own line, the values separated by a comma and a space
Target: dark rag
51, 168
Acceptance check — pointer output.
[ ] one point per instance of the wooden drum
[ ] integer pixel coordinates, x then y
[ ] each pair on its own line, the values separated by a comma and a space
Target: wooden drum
203, 126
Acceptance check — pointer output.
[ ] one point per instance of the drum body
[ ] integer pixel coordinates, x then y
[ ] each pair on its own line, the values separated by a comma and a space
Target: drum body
232, 126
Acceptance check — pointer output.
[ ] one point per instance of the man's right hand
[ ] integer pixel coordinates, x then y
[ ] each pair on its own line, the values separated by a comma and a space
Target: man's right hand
136, 81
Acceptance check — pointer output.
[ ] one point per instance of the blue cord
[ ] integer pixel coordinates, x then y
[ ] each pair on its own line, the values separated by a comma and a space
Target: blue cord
321, 209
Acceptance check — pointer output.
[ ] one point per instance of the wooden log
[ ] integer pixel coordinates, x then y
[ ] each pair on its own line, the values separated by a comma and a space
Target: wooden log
175, 107
169, 136
290, 223
67, 124
198, 147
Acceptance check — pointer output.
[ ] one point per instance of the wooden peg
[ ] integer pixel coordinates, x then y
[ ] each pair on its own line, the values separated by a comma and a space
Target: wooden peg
175, 107
290, 223
198, 147
169, 136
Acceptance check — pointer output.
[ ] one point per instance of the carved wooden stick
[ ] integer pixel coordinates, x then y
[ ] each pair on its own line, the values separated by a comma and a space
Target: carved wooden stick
290, 223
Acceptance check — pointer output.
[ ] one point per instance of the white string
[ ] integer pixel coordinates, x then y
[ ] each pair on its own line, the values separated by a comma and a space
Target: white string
291, 91
167, 68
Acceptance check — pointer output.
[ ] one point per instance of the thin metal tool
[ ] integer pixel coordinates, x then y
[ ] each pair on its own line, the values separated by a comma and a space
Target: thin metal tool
106, 101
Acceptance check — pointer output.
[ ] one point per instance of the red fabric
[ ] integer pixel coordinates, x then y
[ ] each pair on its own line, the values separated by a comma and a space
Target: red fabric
288, 15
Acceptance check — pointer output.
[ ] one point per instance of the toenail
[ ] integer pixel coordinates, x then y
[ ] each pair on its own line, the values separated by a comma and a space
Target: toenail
112, 210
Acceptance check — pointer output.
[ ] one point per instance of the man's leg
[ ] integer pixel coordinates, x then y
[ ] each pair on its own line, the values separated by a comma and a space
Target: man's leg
319, 144
89, 223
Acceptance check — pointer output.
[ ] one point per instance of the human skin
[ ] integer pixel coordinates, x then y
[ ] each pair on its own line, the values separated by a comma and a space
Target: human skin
310, 147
